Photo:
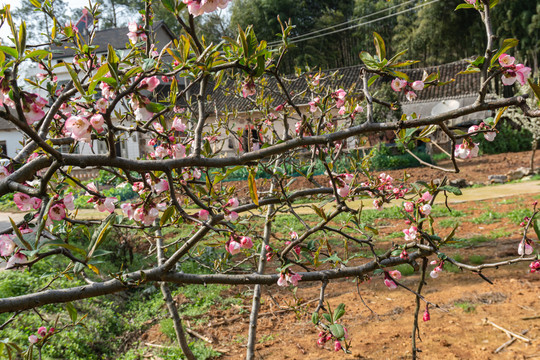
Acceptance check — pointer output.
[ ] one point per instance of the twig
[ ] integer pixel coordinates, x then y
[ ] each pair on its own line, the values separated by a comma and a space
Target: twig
199, 335
508, 332
531, 317
509, 342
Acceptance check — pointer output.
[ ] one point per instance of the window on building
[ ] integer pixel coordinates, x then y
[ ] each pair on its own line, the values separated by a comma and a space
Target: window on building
3, 148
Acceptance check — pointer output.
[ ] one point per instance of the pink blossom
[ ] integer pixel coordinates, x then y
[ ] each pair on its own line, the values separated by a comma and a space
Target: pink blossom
344, 190
246, 242
231, 215
524, 248
178, 125
404, 254
57, 212
161, 152
396, 274
106, 204
33, 339
398, 84
42, 331
33, 114
490, 136
161, 186
473, 128
25, 202
150, 83
79, 128
426, 209
233, 203
203, 214
17, 258
411, 233
179, 151
127, 208
313, 105
337, 346
293, 235
146, 216
248, 88
4, 172
390, 284
68, 202
294, 278
426, 316
342, 110
435, 272
410, 95
506, 60
142, 114
6, 245
378, 204
417, 85
523, 72
158, 127
101, 105
282, 281
535, 265
199, 7
339, 97
427, 197
409, 206
97, 122
234, 247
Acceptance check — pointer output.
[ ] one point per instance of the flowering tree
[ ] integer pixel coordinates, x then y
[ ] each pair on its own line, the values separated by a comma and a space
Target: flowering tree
186, 169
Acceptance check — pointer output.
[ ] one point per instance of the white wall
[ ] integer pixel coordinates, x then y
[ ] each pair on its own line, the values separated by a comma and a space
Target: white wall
13, 141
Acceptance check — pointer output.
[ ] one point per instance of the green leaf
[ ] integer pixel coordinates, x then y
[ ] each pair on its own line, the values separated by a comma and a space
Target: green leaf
23, 242
10, 51
337, 330
372, 80
493, 3
535, 88
40, 54
327, 317
112, 57
253, 187
464, 6
148, 64
166, 215
339, 312
506, 45
154, 107
319, 211
454, 190
71, 311
536, 229
70, 247
169, 5
368, 60
22, 38
315, 318
75, 79
379, 46
36, 3
99, 234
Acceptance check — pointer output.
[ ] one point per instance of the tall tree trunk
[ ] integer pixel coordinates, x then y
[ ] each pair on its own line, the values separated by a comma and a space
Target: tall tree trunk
171, 305
534, 146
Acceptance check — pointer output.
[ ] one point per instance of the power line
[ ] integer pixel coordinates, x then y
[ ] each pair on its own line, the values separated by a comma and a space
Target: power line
350, 21
293, 40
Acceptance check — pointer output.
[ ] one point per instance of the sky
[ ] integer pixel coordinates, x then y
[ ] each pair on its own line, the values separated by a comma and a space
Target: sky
4, 30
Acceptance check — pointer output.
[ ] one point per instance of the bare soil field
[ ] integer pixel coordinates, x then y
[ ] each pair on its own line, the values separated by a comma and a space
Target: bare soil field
381, 328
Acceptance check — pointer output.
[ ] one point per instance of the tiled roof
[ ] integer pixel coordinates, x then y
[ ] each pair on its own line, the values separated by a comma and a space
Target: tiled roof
464, 85
6, 125
117, 37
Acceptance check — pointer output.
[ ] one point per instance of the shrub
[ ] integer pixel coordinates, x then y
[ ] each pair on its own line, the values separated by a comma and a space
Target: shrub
508, 140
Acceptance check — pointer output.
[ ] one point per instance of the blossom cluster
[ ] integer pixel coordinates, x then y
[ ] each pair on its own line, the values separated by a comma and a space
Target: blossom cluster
41, 334
385, 190
32, 104
409, 88
513, 71
326, 336
199, 7
289, 277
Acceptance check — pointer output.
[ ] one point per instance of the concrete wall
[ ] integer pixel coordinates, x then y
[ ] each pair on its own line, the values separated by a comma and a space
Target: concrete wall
13, 140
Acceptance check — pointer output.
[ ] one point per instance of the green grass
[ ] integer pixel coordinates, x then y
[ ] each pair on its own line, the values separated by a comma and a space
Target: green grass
462, 242
466, 306
489, 217
517, 216
442, 211
476, 259
449, 223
